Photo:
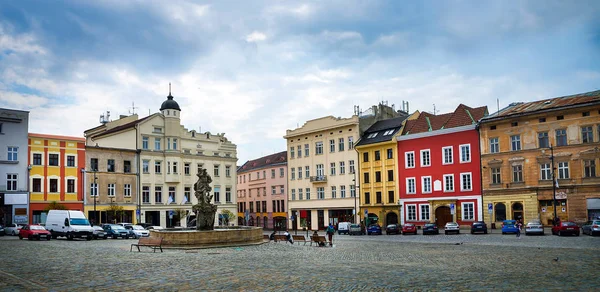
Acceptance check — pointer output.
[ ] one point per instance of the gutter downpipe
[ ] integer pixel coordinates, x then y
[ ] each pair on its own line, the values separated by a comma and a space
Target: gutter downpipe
481, 172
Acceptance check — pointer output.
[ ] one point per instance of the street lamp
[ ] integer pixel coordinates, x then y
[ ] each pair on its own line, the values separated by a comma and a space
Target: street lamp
399, 211
95, 195
553, 184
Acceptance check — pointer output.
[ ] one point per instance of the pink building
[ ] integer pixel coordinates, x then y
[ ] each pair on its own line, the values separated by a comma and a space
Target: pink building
262, 192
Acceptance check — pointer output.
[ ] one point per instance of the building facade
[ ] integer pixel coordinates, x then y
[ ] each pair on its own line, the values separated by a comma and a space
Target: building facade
169, 158
57, 173
439, 168
14, 166
262, 192
525, 145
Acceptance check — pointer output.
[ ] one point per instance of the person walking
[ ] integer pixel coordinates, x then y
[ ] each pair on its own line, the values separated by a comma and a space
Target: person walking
330, 232
288, 237
519, 225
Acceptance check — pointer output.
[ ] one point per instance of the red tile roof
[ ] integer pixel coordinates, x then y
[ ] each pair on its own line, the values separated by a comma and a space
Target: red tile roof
462, 116
272, 159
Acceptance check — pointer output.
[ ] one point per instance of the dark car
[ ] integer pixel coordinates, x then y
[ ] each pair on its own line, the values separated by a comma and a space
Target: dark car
115, 231
478, 226
393, 229
374, 229
565, 228
430, 228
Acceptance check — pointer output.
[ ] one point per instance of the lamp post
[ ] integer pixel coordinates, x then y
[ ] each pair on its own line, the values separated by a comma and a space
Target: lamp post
553, 184
95, 195
399, 212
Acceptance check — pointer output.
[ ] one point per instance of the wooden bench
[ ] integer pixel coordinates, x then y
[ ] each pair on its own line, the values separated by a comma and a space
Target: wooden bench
152, 242
280, 238
318, 240
299, 238
265, 236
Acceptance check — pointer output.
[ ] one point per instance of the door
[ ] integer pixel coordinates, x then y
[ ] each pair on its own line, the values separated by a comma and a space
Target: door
391, 218
442, 216
517, 211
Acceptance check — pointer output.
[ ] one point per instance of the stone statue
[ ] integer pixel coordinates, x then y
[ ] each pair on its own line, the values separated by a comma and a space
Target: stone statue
205, 210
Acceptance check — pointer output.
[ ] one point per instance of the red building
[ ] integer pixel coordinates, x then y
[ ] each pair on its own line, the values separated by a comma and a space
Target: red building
439, 168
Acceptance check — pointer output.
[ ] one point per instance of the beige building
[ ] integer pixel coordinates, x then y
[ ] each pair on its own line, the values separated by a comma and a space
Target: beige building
169, 158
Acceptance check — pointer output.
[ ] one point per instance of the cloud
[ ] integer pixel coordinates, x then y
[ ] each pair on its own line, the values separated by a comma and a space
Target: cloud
256, 37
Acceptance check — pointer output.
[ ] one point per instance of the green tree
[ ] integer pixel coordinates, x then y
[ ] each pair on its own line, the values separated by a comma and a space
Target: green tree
228, 216
116, 211
54, 205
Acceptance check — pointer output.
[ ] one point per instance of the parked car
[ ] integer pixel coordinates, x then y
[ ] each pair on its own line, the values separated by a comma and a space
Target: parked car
146, 225
451, 227
479, 226
2, 230
374, 229
154, 228
34, 232
393, 229
139, 231
356, 229
125, 224
591, 227
115, 231
534, 227
509, 226
13, 229
69, 223
564, 228
344, 227
430, 228
409, 228
99, 232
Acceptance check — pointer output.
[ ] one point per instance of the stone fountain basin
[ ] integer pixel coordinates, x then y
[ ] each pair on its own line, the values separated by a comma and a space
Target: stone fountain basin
219, 237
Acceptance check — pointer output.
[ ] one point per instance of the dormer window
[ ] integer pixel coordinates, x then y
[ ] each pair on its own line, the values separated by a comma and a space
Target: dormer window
168, 112
157, 130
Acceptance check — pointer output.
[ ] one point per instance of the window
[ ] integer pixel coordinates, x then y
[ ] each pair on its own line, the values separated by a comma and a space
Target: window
157, 130
390, 175
174, 143
545, 171
37, 159
145, 143
424, 213
273, 190
308, 193
146, 194
366, 177
332, 168
53, 185
425, 158
494, 145
514, 124
145, 167
293, 194
468, 211
111, 190
282, 206
585, 114
53, 159
94, 164
216, 170
175, 167
320, 193
378, 198
158, 194
300, 172
281, 189
228, 195
333, 192
217, 196
307, 151
110, 165
587, 134
13, 153
496, 179
272, 173
409, 159
465, 153
307, 171
251, 207
318, 148
127, 190
377, 155
350, 142
156, 143
342, 167
560, 118
331, 145
561, 137
378, 176
543, 141
186, 168
426, 184
517, 171
391, 197
264, 174
352, 190
37, 185
70, 161
366, 157
292, 152
372, 135
93, 190
299, 151
448, 157
228, 171
390, 153
412, 212
542, 120
448, 183
70, 186
186, 194
351, 165
11, 181
341, 144
389, 132
342, 192
293, 173
515, 142
410, 185
466, 182
563, 170
589, 168
281, 172
157, 165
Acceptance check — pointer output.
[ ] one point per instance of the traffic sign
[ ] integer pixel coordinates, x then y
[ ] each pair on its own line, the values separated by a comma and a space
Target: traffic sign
366, 212
490, 208
452, 209
137, 211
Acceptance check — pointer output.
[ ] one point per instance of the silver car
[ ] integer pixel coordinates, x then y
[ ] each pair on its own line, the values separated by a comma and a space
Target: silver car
591, 227
534, 227
99, 232
140, 231
13, 229
452, 227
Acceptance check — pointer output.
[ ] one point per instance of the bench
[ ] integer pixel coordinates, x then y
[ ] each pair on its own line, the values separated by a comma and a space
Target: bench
318, 240
265, 236
299, 238
151, 242
280, 238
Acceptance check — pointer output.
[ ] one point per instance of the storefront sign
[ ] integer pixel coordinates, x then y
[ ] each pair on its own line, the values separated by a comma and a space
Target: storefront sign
20, 219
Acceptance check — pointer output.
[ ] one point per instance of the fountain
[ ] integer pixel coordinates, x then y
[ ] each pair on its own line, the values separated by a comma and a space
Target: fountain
205, 234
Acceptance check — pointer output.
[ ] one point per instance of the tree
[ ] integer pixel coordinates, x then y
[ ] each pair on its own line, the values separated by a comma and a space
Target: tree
116, 210
228, 216
54, 205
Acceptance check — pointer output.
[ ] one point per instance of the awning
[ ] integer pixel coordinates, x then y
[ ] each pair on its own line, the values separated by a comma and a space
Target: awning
593, 204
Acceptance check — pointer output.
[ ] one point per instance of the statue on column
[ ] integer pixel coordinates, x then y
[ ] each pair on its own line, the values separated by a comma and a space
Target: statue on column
205, 210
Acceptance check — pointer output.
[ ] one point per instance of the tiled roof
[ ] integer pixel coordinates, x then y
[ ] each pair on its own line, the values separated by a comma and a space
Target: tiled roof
380, 128
519, 108
273, 159
462, 116
57, 137
121, 127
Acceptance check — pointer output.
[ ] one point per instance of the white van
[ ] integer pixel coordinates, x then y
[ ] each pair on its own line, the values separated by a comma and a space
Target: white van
344, 227
69, 223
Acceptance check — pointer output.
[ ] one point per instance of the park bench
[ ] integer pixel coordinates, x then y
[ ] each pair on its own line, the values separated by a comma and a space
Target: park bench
280, 238
318, 240
151, 242
299, 238
266, 236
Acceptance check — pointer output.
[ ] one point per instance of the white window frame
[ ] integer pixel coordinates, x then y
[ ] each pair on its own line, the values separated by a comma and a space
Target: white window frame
351, 166
320, 170
320, 193
408, 185
421, 212
563, 171
93, 190
342, 191
12, 179
546, 171
411, 216
333, 192
462, 147
145, 142
307, 172
462, 186
464, 211
340, 144
428, 159
332, 168
424, 185
450, 159
515, 143
300, 172
332, 146
350, 142
446, 189
307, 149
293, 173
13, 153
111, 190
127, 190
408, 158
494, 145
342, 167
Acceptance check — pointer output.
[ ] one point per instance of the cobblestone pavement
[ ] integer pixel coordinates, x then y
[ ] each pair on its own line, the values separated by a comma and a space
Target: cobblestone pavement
395, 262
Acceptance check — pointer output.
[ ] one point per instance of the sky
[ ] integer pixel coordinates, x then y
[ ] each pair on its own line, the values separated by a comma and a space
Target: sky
253, 69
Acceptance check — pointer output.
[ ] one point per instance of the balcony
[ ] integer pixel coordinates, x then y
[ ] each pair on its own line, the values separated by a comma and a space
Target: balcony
172, 178
318, 179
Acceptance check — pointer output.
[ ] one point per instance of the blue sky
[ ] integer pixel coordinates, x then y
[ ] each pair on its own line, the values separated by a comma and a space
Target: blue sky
253, 69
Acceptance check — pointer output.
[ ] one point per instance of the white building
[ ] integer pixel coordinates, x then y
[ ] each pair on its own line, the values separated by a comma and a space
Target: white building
14, 196
169, 157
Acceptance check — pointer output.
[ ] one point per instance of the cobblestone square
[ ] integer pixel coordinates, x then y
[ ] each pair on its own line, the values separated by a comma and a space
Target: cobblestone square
399, 262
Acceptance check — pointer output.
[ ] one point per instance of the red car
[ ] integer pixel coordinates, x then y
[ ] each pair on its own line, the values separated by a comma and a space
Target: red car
409, 228
566, 227
34, 231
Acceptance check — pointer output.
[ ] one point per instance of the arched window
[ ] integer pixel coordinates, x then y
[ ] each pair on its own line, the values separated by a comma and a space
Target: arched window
257, 221
500, 211
266, 220
517, 211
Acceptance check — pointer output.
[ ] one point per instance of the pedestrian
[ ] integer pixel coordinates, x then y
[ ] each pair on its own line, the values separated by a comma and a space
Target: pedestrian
518, 225
288, 236
330, 232
272, 236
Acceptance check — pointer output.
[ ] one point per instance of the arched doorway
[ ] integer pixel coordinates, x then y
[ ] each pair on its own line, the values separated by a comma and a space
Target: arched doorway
442, 216
265, 222
391, 218
500, 211
373, 219
517, 211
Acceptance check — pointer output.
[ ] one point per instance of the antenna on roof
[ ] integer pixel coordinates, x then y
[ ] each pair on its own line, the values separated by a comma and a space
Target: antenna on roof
498, 104
434, 110
133, 107
169, 88
104, 118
